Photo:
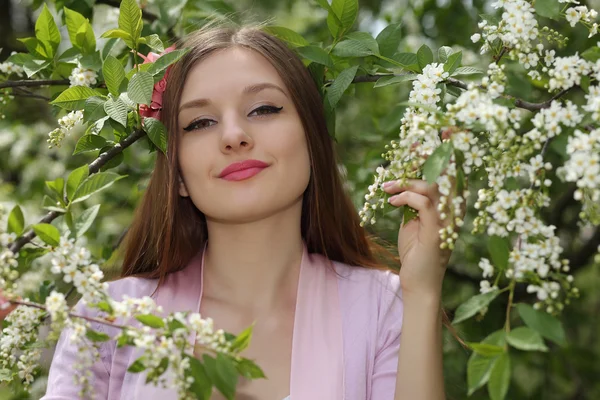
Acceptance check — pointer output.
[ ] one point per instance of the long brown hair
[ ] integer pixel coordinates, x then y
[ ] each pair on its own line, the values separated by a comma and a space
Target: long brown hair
168, 230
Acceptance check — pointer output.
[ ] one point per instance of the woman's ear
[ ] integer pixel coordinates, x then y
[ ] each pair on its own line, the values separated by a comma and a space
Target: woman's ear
183, 192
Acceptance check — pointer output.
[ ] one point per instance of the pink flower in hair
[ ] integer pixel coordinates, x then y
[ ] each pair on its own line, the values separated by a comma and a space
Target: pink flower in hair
155, 107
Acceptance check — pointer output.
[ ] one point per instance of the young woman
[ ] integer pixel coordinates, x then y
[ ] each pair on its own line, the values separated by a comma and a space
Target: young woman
245, 219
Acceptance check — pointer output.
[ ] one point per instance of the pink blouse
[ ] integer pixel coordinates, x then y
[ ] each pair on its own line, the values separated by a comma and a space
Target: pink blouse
345, 341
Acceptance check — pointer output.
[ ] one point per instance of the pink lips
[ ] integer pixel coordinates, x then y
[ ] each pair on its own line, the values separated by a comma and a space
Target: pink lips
242, 170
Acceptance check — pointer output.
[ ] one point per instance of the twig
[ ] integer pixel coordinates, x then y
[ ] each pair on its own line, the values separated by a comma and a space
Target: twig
26, 93
91, 319
33, 82
94, 167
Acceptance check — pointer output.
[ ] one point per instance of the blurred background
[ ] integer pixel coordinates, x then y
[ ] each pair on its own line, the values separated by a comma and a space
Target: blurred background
367, 119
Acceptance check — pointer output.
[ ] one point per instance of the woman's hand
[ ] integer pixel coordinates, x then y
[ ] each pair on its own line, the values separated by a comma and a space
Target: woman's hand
423, 262
5, 308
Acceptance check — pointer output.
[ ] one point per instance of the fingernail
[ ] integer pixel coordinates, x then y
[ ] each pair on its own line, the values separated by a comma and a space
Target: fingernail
388, 184
390, 199
4, 306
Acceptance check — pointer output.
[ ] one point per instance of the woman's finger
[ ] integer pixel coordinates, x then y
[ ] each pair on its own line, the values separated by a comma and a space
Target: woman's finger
414, 185
423, 204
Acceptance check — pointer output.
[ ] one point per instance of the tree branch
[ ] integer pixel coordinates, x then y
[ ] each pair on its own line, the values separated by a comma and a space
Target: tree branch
94, 167
33, 82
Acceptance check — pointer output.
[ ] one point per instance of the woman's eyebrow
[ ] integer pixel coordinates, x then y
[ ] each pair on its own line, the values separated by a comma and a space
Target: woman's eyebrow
258, 87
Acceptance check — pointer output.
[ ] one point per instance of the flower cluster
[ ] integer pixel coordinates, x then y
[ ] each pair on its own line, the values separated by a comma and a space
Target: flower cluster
66, 125
82, 76
9, 68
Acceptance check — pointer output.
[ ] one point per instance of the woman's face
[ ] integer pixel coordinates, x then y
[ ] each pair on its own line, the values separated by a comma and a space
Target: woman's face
235, 109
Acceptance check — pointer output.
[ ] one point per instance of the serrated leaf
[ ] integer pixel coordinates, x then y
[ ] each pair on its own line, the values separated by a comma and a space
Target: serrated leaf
592, 54
547, 8
346, 11
75, 179
164, 61
74, 98
151, 320
248, 369
486, 350
453, 62
16, 221
93, 109
153, 41
130, 16
202, 385
89, 142
525, 338
137, 366
407, 60
499, 249
34, 46
56, 188
424, 56
339, 86
49, 234
543, 323
85, 220
95, 183
499, 378
117, 110
315, 54
443, 53
391, 80
74, 21
110, 44
287, 35
480, 367
242, 340
222, 373
156, 132
358, 44
472, 306
52, 205
389, 39
437, 161
466, 71
117, 34
140, 88
114, 73
96, 336
47, 32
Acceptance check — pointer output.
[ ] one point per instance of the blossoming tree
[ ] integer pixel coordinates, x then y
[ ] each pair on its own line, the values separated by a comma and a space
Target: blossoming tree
459, 126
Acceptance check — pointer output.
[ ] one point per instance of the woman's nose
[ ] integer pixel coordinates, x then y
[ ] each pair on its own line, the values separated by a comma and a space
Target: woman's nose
234, 135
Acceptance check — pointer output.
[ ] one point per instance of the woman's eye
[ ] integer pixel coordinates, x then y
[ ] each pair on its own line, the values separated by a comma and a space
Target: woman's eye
200, 124
263, 110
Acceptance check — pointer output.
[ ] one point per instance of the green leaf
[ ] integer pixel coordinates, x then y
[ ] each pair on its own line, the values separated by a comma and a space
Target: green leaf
389, 39
358, 44
153, 41
140, 88
228, 376
444, 52
34, 46
472, 306
315, 54
499, 249
89, 142
74, 98
137, 366
85, 220
453, 62
52, 205
119, 34
114, 74
151, 320
467, 71
56, 188
117, 110
391, 80
242, 340
74, 21
86, 38
110, 44
543, 323
130, 17
339, 86
479, 367
499, 378
94, 184
248, 369
424, 56
525, 338
202, 385
96, 336
486, 350
408, 61
346, 11
165, 60
592, 54
75, 179
16, 221
287, 35
548, 8
48, 233
104, 306
436, 162
93, 109
156, 132
91, 61
47, 32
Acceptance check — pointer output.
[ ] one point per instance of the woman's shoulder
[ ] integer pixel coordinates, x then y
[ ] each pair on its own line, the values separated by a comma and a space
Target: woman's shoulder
131, 286
359, 279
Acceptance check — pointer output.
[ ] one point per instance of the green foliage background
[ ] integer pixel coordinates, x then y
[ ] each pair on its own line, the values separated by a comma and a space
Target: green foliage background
366, 120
